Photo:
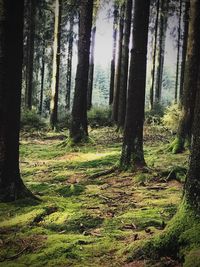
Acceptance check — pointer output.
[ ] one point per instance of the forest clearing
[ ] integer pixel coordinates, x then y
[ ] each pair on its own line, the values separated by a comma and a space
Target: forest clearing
87, 221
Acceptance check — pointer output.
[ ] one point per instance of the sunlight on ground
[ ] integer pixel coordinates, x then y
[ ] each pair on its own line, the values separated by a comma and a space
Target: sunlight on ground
83, 221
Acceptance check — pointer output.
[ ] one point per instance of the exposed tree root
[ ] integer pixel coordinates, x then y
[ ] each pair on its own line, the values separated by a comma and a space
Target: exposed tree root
13, 257
15, 192
175, 240
106, 172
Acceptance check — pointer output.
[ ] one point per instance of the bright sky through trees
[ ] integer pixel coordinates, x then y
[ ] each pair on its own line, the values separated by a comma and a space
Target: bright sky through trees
103, 47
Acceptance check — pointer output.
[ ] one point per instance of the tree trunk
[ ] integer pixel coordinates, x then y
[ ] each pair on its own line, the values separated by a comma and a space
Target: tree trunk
124, 65
69, 62
42, 78
178, 53
112, 71
79, 125
30, 53
56, 65
190, 83
184, 50
154, 56
192, 186
118, 67
11, 57
91, 69
161, 49
132, 148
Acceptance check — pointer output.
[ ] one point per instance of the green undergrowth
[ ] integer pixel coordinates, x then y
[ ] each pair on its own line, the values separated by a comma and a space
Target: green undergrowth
83, 219
180, 240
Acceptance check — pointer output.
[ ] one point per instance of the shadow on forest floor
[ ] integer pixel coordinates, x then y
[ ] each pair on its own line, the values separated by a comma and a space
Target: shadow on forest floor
83, 221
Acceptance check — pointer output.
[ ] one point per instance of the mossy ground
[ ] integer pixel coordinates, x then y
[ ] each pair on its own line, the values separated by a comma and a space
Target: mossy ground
87, 221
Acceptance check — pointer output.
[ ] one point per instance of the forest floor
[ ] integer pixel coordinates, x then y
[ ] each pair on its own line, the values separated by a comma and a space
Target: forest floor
86, 221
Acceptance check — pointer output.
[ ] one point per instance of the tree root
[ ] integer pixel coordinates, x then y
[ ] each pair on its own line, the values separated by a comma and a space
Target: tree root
177, 146
13, 257
106, 172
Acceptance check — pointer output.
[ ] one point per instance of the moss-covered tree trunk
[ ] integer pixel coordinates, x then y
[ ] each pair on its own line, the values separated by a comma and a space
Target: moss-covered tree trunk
56, 65
190, 82
184, 49
112, 68
178, 53
154, 56
79, 125
30, 53
161, 48
124, 65
69, 62
118, 67
91, 69
11, 57
132, 149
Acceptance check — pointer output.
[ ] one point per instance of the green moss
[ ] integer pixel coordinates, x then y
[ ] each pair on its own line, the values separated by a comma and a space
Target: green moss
193, 258
180, 236
20, 220
71, 190
89, 222
177, 146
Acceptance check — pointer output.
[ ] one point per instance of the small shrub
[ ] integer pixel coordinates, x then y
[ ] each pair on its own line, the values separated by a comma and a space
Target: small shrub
99, 116
154, 116
171, 118
30, 119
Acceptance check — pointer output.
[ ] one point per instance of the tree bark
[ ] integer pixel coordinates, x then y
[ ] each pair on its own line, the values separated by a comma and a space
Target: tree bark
184, 50
69, 62
79, 125
30, 53
42, 78
178, 53
132, 148
112, 71
91, 69
11, 57
118, 67
161, 48
154, 56
56, 65
192, 186
124, 65
190, 82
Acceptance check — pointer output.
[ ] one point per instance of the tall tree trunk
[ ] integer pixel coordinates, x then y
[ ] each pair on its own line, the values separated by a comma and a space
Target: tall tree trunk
56, 65
124, 65
154, 56
11, 57
118, 67
132, 148
112, 71
178, 53
42, 78
69, 62
91, 69
190, 83
184, 49
30, 53
79, 125
192, 185
161, 49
